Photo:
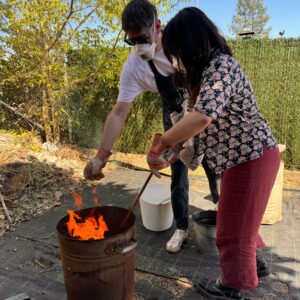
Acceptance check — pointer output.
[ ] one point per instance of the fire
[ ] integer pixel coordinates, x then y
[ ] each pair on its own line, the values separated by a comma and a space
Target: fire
91, 227
94, 193
77, 199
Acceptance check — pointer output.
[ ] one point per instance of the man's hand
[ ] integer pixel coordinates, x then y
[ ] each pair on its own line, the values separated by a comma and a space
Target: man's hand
159, 156
93, 169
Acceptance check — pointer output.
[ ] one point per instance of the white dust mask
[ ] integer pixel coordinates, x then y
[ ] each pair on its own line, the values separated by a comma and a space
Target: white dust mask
146, 51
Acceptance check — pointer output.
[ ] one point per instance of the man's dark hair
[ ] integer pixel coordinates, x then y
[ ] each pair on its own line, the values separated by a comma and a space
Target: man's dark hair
194, 38
137, 15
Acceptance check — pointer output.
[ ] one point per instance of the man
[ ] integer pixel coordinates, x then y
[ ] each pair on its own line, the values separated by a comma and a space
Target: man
148, 69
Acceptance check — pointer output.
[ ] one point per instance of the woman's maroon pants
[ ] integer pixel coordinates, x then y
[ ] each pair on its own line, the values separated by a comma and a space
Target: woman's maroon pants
245, 190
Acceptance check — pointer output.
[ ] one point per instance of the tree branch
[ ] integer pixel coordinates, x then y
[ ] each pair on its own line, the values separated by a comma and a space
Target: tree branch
95, 71
5, 209
82, 9
82, 22
59, 33
14, 110
174, 4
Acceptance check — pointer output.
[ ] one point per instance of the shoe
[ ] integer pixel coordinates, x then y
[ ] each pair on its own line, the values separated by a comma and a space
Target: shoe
179, 237
262, 267
216, 290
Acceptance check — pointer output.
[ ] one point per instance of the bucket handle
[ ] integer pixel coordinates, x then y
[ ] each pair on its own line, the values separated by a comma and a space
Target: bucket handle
122, 250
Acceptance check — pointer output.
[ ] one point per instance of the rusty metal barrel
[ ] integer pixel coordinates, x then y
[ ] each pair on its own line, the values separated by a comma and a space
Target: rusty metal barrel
100, 269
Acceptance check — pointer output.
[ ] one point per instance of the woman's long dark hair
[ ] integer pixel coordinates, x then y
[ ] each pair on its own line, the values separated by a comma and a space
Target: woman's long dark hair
192, 37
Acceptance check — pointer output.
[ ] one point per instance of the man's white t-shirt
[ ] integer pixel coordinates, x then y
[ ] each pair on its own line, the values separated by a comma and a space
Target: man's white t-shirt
137, 76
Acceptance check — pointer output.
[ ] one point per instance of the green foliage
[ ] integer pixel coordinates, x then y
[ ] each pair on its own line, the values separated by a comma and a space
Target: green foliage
36, 38
84, 113
143, 122
250, 15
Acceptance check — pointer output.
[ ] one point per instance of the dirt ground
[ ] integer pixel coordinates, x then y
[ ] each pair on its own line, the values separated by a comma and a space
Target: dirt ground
34, 176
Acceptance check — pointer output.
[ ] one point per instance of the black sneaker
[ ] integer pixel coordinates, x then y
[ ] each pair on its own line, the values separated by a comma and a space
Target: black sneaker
216, 290
262, 267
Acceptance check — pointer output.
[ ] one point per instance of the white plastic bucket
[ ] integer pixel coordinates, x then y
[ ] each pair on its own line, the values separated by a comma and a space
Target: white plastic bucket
156, 208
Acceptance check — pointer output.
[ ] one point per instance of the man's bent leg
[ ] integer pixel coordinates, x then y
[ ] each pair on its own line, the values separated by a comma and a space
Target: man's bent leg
180, 204
180, 194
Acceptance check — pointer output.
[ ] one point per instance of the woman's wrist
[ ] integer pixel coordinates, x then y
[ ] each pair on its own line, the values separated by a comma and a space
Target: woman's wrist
164, 141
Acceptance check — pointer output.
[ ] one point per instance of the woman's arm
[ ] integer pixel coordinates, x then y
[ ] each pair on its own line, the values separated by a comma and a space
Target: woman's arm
189, 126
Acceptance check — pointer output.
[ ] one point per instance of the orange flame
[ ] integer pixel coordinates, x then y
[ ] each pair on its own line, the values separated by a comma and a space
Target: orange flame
86, 229
94, 193
91, 227
77, 199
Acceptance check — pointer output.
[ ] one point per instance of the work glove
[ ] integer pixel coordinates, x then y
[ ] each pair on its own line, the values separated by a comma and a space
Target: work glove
160, 156
93, 168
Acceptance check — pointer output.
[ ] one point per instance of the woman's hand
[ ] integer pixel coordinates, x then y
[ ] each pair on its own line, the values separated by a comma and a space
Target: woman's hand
160, 156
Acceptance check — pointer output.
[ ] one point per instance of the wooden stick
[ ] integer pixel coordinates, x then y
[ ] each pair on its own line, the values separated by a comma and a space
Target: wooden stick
5, 209
136, 200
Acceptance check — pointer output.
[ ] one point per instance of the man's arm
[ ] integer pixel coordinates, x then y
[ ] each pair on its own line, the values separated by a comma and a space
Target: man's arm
114, 124
112, 129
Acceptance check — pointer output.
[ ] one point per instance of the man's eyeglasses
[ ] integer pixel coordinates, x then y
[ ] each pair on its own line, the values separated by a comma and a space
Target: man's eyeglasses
142, 39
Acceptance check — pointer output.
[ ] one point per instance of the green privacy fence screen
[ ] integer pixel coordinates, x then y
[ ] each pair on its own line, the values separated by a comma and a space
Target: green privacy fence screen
273, 67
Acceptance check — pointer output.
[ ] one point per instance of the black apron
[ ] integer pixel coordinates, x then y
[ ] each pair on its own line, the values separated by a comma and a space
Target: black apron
172, 98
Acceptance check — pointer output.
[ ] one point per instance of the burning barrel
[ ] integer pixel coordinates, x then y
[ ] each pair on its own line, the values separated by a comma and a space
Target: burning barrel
97, 269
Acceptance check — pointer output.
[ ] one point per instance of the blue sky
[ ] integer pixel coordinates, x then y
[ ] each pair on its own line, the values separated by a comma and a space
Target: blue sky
284, 14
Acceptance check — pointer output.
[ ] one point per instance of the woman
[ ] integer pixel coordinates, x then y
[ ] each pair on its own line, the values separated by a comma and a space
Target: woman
236, 140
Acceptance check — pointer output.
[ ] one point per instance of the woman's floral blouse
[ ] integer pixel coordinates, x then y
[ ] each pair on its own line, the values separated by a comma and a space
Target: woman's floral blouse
238, 131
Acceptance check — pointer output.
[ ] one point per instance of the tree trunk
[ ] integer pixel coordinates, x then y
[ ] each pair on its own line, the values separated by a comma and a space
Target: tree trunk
67, 105
46, 120
53, 121
45, 99
52, 100
54, 114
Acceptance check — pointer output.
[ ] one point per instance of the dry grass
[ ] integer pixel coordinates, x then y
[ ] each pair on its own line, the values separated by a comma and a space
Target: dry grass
291, 179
